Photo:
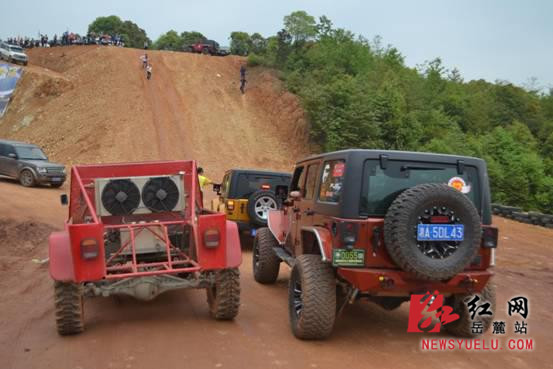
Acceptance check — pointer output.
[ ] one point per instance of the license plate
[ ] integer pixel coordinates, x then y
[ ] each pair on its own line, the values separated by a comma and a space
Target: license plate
343, 257
56, 179
440, 232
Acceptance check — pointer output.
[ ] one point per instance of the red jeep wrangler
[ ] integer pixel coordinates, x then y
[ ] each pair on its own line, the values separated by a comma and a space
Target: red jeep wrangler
140, 229
380, 226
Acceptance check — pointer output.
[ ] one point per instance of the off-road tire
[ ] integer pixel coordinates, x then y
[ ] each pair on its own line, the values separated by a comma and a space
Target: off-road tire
265, 262
68, 300
318, 298
27, 178
205, 51
224, 296
400, 226
462, 327
254, 197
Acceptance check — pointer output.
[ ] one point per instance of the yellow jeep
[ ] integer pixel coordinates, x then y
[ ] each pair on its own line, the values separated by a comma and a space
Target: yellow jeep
246, 196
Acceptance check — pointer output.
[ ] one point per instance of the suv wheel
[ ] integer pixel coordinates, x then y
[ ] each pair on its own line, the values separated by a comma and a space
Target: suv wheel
68, 299
259, 204
431, 204
266, 263
205, 51
224, 296
463, 326
27, 178
312, 298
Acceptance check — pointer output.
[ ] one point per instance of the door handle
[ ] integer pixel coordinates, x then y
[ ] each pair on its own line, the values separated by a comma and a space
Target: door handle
309, 212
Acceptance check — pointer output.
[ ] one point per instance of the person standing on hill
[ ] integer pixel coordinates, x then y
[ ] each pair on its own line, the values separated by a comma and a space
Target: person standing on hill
149, 71
242, 78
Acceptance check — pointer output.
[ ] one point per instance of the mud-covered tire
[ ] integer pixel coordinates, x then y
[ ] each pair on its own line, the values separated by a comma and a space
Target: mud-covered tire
462, 327
400, 227
27, 178
256, 201
224, 296
68, 300
265, 262
316, 292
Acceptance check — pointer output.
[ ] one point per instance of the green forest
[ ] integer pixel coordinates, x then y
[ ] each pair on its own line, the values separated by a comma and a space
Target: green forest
360, 94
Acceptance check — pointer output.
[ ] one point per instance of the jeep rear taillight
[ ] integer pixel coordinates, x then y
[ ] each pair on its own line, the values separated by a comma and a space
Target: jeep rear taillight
265, 187
89, 249
211, 238
348, 233
489, 237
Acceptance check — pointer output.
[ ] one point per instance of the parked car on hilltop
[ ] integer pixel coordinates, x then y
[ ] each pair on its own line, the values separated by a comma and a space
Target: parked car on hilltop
13, 53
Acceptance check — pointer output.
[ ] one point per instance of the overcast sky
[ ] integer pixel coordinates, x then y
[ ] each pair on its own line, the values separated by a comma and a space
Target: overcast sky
490, 39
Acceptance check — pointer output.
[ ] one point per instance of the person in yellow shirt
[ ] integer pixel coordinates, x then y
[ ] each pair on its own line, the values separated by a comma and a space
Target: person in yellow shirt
204, 181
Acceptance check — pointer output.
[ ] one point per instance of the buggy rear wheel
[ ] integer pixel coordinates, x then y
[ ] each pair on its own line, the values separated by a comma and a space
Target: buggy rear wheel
224, 296
68, 299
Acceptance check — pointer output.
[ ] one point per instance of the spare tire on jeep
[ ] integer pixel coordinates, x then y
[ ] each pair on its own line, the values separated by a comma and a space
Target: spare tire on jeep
431, 203
259, 204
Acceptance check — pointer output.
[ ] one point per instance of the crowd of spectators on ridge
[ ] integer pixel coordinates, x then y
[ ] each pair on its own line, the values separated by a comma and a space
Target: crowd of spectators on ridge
66, 39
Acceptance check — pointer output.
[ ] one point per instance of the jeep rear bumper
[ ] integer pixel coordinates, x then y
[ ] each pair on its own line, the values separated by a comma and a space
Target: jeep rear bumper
392, 282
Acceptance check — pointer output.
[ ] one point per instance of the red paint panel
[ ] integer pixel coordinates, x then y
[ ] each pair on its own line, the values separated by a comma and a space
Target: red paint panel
234, 251
367, 280
87, 270
212, 258
279, 224
61, 261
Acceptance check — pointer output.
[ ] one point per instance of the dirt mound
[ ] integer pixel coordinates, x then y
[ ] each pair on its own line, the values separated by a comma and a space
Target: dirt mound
23, 237
93, 104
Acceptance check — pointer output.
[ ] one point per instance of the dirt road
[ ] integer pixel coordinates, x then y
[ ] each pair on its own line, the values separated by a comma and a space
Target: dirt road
175, 331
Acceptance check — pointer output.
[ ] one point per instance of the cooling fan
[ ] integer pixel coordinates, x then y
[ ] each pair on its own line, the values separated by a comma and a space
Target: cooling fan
120, 197
160, 194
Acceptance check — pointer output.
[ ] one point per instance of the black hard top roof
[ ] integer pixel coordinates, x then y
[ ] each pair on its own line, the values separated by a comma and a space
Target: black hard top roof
394, 155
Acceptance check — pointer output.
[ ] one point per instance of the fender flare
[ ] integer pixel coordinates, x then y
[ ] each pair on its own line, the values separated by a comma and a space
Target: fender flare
324, 240
61, 259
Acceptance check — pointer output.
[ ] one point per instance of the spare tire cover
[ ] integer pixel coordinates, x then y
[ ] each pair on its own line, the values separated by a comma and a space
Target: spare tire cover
431, 203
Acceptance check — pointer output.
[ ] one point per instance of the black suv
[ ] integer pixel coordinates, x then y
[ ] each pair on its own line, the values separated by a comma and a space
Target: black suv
28, 164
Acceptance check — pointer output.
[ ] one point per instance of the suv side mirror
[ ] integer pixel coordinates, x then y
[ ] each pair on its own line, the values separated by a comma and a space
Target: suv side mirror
63, 199
217, 188
12, 155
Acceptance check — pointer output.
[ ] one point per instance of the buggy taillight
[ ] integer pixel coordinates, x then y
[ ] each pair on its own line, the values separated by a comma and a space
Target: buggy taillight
211, 238
265, 187
489, 237
89, 249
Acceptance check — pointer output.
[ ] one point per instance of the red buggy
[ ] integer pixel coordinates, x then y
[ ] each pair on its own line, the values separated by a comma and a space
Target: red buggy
140, 229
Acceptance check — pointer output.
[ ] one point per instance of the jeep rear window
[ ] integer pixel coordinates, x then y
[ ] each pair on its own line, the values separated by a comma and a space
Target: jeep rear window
380, 186
248, 183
